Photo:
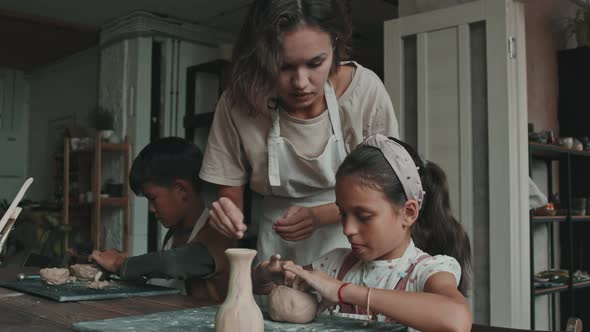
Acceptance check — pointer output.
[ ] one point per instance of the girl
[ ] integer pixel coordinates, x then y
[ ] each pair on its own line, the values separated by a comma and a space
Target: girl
391, 204
292, 112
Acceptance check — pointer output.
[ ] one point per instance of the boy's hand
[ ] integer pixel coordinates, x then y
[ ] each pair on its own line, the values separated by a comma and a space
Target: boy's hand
227, 218
297, 224
110, 260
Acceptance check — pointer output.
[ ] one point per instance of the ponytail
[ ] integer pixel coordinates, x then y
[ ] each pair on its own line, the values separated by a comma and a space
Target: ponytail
437, 231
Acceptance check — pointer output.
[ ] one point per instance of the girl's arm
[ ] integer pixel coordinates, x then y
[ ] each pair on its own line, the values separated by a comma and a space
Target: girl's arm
266, 275
440, 307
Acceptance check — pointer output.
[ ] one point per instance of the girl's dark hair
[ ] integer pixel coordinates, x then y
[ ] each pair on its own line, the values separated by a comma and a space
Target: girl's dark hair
164, 161
436, 231
256, 58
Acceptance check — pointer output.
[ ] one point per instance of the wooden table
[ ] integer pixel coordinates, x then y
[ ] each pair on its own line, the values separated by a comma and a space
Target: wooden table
23, 312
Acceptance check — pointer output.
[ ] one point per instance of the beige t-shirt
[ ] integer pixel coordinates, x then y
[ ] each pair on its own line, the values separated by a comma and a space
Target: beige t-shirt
237, 151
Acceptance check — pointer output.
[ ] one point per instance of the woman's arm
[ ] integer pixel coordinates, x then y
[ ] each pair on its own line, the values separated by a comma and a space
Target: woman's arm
440, 307
226, 213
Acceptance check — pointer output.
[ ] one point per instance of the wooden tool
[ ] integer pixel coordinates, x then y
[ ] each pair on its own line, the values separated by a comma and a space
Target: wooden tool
8, 227
9, 217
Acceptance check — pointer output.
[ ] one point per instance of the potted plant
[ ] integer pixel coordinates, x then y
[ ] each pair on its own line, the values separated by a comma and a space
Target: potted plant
581, 24
104, 122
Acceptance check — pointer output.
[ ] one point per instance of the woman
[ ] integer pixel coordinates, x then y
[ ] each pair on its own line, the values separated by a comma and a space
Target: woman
291, 113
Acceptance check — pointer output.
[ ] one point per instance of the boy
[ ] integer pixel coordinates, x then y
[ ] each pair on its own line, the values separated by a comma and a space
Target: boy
166, 173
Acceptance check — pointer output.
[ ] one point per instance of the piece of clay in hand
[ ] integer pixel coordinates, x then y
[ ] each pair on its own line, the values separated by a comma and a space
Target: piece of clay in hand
291, 305
54, 276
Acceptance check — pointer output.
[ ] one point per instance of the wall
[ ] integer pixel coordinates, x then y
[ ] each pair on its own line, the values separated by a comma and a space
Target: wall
545, 36
60, 94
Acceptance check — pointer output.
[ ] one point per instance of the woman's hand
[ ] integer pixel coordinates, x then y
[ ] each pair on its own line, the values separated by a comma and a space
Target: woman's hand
297, 224
110, 260
318, 280
227, 218
268, 274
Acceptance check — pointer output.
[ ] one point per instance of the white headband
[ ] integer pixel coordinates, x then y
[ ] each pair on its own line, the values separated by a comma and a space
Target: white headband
402, 164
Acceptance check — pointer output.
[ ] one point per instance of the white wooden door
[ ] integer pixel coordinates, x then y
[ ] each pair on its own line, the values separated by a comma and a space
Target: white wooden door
14, 136
457, 80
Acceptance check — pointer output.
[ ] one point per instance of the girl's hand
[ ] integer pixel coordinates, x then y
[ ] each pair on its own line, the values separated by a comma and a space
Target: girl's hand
110, 260
268, 274
318, 280
297, 224
227, 218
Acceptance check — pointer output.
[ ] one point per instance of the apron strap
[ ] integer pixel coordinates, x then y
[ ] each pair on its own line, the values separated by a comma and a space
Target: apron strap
334, 113
347, 264
401, 285
274, 174
167, 238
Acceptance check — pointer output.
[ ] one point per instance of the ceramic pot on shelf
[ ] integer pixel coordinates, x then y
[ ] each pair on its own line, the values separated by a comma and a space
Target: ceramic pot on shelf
239, 312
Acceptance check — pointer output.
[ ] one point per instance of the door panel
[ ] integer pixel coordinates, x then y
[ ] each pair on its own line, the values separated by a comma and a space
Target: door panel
440, 92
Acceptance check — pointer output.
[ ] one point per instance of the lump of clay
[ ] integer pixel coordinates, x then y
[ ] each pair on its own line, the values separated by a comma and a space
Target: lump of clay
291, 305
54, 276
97, 283
84, 271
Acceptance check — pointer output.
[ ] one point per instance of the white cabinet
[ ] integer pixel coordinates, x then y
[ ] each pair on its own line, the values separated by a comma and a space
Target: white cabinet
14, 134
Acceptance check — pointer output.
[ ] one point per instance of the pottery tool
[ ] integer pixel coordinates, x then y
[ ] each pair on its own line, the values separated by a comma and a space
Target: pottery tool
15, 202
8, 227
22, 276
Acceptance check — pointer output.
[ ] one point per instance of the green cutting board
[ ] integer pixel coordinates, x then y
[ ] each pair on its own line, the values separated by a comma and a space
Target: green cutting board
203, 319
78, 291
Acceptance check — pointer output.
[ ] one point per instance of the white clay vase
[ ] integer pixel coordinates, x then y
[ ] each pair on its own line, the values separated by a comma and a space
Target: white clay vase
239, 312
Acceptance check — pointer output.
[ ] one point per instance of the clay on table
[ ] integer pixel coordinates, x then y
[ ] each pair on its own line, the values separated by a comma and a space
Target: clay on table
290, 305
54, 276
84, 271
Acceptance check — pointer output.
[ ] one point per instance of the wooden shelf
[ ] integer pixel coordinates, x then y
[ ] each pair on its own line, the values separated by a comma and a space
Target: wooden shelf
547, 219
114, 201
559, 289
114, 147
550, 151
91, 170
551, 290
551, 219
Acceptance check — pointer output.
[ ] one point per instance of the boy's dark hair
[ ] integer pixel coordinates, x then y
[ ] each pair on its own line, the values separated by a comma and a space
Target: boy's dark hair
436, 231
164, 161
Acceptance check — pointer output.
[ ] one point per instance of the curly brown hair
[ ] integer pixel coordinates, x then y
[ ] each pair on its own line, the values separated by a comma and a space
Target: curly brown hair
256, 58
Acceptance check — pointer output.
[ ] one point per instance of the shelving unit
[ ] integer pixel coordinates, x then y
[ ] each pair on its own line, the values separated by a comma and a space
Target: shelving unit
76, 169
113, 202
83, 214
566, 225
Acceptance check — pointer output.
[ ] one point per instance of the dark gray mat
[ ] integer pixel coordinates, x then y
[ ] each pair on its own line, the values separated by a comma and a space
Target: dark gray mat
203, 319
78, 291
